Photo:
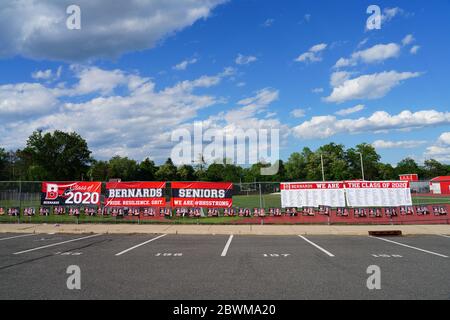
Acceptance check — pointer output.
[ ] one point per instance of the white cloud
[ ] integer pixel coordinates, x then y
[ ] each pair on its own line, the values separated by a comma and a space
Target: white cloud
42, 74
391, 13
298, 113
414, 49
406, 144
317, 90
313, 54
441, 149
444, 139
408, 40
135, 123
184, 64
355, 109
339, 77
318, 47
37, 29
94, 79
47, 75
241, 59
25, 100
375, 54
380, 121
371, 86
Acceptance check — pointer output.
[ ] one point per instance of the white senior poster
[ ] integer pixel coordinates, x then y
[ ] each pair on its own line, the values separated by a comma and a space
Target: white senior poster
378, 194
312, 194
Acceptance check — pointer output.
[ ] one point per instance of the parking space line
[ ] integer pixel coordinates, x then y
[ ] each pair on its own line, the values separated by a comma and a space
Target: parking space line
411, 247
139, 245
317, 246
57, 244
227, 245
443, 235
21, 236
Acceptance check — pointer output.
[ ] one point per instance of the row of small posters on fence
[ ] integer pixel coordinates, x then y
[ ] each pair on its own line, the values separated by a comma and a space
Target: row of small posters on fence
138, 194
355, 193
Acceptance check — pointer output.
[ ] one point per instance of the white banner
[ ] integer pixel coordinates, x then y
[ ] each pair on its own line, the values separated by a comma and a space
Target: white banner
378, 194
312, 194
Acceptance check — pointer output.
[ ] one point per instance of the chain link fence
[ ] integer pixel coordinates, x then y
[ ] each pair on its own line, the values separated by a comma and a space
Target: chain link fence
21, 195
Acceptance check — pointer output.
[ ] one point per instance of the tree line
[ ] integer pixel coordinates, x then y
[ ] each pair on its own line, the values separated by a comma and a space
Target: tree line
61, 156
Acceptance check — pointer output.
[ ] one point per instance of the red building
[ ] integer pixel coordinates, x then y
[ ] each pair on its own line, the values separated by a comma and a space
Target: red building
440, 185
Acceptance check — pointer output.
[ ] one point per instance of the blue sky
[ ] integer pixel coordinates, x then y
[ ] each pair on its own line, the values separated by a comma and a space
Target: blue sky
141, 69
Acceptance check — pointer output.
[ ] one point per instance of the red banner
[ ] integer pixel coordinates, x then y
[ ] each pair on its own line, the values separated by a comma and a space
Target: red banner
202, 194
70, 193
135, 194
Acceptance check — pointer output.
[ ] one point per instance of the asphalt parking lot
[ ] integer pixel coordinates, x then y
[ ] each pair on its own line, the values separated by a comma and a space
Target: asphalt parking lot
222, 267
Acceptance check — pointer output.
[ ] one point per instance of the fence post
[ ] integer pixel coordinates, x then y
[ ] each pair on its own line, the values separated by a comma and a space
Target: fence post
260, 196
20, 200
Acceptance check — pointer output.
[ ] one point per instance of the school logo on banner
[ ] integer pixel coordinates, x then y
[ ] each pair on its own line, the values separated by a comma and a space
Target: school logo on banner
70, 193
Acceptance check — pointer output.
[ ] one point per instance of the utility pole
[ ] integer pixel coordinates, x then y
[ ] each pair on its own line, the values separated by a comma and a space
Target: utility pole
323, 171
362, 166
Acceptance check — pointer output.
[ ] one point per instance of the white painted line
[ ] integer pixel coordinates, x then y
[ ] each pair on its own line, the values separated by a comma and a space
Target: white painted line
411, 247
21, 236
227, 246
139, 245
317, 246
443, 235
57, 244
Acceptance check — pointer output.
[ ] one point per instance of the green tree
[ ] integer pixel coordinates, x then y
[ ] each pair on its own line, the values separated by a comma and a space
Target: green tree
3, 165
186, 173
56, 156
370, 159
122, 168
296, 167
434, 168
99, 171
167, 172
386, 172
334, 162
147, 170
215, 172
407, 166
232, 173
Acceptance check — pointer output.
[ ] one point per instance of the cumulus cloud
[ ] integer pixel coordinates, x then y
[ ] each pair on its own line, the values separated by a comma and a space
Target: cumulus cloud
346, 112
406, 144
25, 100
375, 54
242, 60
37, 29
441, 149
135, 121
313, 54
372, 86
380, 121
